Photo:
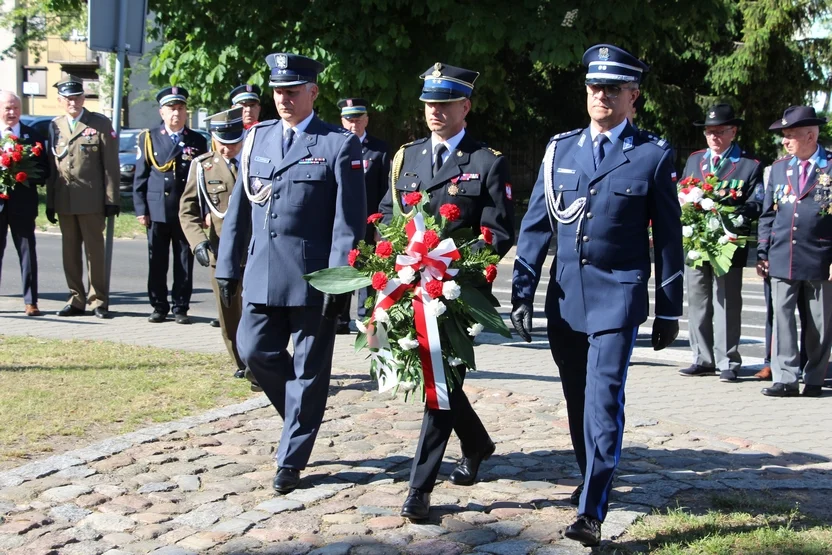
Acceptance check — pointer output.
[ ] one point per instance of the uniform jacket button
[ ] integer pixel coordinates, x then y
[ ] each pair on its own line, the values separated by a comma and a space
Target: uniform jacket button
628, 190
274, 215
589, 215
794, 229
273, 234
308, 176
167, 193
593, 192
794, 242
280, 178
560, 186
584, 261
585, 238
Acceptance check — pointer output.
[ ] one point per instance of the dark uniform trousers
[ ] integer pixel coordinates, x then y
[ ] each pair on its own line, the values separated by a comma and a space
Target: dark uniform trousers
160, 238
89, 230
229, 317
23, 236
290, 382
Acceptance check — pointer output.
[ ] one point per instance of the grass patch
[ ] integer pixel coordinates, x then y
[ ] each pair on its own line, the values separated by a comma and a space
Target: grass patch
126, 226
54, 394
735, 524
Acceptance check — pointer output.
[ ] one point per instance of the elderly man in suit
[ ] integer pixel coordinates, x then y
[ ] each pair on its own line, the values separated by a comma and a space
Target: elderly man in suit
600, 187
301, 193
82, 190
795, 251
163, 159
715, 302
18, 212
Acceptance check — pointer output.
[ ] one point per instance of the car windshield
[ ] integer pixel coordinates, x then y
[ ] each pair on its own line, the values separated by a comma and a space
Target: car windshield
126, 141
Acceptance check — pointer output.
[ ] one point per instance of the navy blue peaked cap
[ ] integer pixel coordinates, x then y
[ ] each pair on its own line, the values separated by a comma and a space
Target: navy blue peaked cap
289, 70
609, 65
444, 83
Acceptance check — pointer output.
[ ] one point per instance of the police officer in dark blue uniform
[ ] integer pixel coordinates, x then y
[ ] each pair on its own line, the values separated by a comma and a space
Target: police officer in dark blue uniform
247, 97
452, 168
300, 191
375, 155
795, 251
163, 160
599, 187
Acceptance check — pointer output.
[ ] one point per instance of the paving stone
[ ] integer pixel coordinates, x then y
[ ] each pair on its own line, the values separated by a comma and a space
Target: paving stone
173, 550
107, 522
254, 516
510, 547
150, 517
506, 528
269, 535
85, 548
234, 526
203, 541
68, 513
118, 539
76, 472
348, 530
473, 537
239, 546
188, 482
333, 549
435, 547
287, 548
152, 531
65, 493
279, 505
153, 487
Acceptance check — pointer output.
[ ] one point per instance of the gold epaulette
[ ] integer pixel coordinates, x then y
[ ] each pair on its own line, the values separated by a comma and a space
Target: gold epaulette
494, 152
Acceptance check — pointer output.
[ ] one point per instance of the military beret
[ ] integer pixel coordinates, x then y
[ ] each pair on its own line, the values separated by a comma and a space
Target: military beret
71, 86
609, 65
243, 93
288, 70
169, 95
444, 83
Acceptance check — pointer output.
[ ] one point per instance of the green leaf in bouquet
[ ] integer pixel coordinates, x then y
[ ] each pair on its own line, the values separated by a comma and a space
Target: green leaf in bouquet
462, 235
481, 310
342, 279
460, 341
360, 341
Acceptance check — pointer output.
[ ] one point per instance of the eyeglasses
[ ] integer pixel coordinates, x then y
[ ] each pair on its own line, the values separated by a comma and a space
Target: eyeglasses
712, 133
610, 91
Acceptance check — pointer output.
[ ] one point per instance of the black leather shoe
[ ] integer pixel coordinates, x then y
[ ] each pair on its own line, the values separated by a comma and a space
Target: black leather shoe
465, 472
249, 375
417, 505
157, 317
214, 323
182, 318
696, 370
102, 313
343, 329
70, 310
586, 530
575, 498
240, 373
286, 480
778, 389
812, 390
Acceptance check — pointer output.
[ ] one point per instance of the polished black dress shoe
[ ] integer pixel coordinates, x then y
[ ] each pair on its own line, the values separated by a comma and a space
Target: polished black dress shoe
157, 317
465, 472
417, 505
812, 390
249, 375
103, 313
586, 530
696, 370
778, 389
70, 310
343, 329
286, 480
182, 318
214, 323
575, 498
240, 373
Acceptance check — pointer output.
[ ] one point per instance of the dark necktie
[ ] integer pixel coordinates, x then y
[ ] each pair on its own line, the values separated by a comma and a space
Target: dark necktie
175, 138
715, 164
438, 151
804, 177
232, 165
287, 144
598, 150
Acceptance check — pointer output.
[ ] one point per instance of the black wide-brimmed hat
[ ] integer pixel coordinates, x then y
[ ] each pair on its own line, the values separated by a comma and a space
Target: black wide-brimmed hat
719, 114
797, 116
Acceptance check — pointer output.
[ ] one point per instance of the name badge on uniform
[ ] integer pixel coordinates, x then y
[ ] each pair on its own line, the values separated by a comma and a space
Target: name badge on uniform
310, 160
565, 170
261, 159
469, 176
789, 172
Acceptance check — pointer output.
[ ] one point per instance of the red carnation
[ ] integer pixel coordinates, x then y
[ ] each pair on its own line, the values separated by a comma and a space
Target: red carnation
37, 150
353, 256
373, 218
487, 236
490, 273
450, 212
4, 196
434, 288
16, 156
431, 239
20, 177
6, 160
707, 188
734, 193
384, 249
13, 137
412, 199
709, 175
379, 281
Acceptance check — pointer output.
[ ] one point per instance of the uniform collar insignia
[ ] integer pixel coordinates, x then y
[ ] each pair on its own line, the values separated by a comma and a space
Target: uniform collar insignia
582, 140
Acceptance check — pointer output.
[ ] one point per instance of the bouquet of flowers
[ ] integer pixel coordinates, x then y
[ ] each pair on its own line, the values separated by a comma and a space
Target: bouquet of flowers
17, 163
428, 304
707, 224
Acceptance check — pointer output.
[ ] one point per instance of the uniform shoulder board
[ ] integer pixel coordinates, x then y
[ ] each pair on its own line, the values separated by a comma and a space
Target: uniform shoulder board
493, 151
411, 143
700, 151
204, 156
560, 136
785, 158
660, 142
266, 123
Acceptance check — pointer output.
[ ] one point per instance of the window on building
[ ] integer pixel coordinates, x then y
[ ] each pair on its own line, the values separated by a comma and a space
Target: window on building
36, 76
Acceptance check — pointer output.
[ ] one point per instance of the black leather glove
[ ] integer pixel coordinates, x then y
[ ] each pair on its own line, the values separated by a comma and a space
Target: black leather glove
50, 215
112, 210
664, 333
521, 318
202, 253
227, 288
334, 305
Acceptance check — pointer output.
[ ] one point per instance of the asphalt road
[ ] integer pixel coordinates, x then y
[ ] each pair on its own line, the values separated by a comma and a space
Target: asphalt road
129, 296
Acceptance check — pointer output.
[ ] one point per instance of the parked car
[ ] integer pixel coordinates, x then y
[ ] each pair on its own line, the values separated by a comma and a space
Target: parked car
127, 143
39, 124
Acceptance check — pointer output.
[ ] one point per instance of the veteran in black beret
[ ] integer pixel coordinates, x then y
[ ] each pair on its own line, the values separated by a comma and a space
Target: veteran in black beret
451, 167
715, 302
598, 189
300, 198
795, 250
375, 159
248, 98
163, 160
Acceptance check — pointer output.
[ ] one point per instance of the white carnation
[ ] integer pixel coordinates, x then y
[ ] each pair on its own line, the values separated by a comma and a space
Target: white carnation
713, 224
453, 361
381, 316
687, 231
706, 204
694, 255
360, 326
695, 195
738, 220
408, 343
451, 290
723, 240
475, 329
435, 308
407, 275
